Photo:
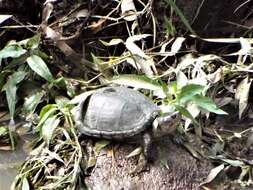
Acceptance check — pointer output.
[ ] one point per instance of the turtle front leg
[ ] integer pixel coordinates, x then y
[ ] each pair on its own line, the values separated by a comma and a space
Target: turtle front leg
145, 155
147, 143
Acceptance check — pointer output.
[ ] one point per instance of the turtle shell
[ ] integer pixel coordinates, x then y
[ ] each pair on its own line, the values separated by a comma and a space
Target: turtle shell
115, 113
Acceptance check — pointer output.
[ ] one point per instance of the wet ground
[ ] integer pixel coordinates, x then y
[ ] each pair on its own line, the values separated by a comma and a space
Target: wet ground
9, 163
174, 168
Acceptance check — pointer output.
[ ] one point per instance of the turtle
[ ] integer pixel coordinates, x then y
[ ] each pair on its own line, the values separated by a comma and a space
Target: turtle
123, 114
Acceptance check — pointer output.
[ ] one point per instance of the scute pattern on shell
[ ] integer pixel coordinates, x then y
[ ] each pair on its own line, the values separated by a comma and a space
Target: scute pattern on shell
115, 113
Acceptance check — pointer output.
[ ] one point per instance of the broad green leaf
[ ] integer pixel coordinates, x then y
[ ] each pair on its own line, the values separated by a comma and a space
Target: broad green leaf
207, 104
39, 66
188, 91
137, 81
46, 109
61, 82
48, 128
213, 173
17, 62
32, 101
12, 51
11, 88
194, 110
46, 112
187, 114
25, 184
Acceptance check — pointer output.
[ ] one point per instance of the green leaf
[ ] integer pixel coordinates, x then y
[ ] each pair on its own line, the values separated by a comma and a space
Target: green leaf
47, 108
48, 128
30, 43
181, 15
3, 131
33, 42
61, 101
137, 81
207, 104
187, 114
32, 101
13, 64
182, 80
12, 51
11, 88
39, 66
25, 184
46, 112
189, 91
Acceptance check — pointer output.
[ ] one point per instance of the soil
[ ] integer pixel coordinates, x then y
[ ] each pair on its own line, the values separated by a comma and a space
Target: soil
174, 168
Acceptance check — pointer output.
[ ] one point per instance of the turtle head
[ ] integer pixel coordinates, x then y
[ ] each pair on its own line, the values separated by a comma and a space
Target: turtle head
165, 125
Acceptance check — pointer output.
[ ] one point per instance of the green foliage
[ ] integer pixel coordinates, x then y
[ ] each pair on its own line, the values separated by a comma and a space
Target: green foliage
50, 117
32, 101
48, 128
137, 81
193, 93
3, 131
39, 66
169, 27
207, 104
12, 50
181, 15
11, 88
188, 92
15, 73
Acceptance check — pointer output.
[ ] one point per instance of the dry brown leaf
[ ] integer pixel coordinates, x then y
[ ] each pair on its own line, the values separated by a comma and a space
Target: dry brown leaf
242, 94
128, 10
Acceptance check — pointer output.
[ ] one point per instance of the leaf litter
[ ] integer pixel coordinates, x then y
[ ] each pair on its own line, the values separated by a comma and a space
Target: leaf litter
212, 89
